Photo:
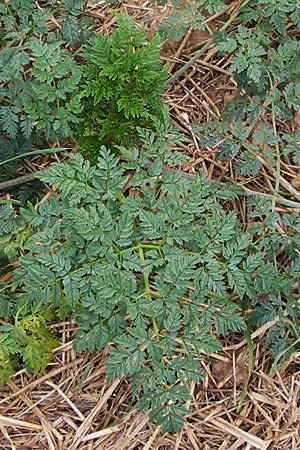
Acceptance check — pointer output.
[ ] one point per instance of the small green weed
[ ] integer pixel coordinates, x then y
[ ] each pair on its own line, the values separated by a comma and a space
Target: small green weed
122, 83
149, 263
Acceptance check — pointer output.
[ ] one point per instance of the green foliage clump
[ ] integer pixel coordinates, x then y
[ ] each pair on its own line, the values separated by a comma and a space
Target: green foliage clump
257, 130
39, 100
146, 262
122, 83
24, 336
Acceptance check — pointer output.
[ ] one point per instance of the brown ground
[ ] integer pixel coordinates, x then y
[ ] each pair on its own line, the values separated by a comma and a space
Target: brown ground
71, 407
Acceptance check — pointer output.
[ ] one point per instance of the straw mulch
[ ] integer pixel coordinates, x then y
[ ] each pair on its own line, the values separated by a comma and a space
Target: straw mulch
71, 406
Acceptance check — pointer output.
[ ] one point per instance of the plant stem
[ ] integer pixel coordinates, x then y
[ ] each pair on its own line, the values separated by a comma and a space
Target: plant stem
145, 276
36, 152
278, 156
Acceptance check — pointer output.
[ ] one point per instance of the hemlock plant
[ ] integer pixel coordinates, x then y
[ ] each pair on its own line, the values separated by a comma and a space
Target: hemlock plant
144, 261
121, 87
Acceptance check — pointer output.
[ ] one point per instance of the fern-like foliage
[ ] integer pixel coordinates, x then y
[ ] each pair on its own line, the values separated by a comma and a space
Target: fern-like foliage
122, 80
39, 100
150, 264
264, 62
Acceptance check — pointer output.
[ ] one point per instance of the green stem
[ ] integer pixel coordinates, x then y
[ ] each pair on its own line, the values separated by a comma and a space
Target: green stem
151, 246
8, 285
155, 326
274, 366
138, 247
278, 156
145, 276
36, 152
148, 290
250, 368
